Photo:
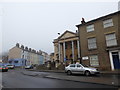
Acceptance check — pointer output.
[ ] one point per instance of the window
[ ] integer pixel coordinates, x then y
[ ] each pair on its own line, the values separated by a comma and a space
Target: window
94, 60
15, 61
107, 23
10, 61
23, 56
111, 40
92, 43
90, 28
72, 65
78, 65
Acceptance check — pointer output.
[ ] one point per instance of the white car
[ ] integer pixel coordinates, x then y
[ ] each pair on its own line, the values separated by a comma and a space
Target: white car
29, 67
10, 66
80, 69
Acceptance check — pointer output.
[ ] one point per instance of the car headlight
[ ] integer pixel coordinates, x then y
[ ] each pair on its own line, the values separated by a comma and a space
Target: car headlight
93, 70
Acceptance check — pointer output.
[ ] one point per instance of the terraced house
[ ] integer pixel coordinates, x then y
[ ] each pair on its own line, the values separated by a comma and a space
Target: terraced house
100, 42
20, 56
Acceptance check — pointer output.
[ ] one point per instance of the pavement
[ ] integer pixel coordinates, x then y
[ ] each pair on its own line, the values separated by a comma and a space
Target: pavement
62, 71
58, 74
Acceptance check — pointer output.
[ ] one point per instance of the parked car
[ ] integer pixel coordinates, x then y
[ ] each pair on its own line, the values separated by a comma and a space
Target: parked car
3, 68
80, 69
29, 67
10, 66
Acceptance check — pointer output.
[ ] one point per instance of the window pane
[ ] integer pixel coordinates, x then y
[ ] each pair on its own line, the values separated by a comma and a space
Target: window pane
90, 28
72, 65
78, 65
92, 43
91, 40
108, 23
94, 60
111, 40
110, 36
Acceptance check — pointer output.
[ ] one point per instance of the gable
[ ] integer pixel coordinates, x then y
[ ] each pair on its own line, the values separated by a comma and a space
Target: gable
67, 34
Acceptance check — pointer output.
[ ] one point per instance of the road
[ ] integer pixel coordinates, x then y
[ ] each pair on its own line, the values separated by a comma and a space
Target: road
15, 79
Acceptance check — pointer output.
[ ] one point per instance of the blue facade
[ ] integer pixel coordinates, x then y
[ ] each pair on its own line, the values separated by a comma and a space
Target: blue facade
41, 59
17, 62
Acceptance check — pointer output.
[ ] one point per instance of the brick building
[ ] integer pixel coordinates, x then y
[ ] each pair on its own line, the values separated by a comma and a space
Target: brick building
100, 42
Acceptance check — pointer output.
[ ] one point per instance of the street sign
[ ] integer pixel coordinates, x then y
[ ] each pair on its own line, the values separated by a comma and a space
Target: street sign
85, 58
64, 59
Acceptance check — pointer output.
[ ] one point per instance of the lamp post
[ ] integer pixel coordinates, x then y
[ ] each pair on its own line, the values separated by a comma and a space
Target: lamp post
64, 59
59, 46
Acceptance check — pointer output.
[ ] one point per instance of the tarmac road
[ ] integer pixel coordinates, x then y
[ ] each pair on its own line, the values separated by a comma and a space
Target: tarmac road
15, 79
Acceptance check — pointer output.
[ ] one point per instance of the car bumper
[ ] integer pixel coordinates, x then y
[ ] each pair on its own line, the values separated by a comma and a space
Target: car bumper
4, 70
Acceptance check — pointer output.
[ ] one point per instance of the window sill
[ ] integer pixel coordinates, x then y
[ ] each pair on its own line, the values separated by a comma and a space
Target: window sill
92, 49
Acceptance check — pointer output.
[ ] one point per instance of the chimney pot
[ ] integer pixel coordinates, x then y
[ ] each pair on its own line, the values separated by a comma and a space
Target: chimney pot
83, 21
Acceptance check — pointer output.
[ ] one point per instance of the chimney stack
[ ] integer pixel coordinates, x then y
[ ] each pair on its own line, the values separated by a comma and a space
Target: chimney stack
83, 21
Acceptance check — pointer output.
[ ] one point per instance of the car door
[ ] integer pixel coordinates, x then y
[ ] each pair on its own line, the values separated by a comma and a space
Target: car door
79, 69
73, 68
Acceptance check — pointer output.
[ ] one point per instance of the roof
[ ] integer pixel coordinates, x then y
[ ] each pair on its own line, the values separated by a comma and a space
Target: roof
56, 40
98, 18
65, 33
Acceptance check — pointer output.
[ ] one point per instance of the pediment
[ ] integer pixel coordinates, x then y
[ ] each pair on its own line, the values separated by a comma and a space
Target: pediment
67, 34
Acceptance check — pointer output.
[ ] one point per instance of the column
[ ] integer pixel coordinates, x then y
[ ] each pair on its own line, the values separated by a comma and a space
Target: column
119, 55
111, 60
78, 46
73, 50
59, 50
64, 52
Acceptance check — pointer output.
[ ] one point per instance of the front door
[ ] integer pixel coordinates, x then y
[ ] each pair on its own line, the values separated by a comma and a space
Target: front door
116, 60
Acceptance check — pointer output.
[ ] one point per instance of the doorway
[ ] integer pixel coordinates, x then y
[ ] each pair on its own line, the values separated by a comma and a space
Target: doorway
116, 60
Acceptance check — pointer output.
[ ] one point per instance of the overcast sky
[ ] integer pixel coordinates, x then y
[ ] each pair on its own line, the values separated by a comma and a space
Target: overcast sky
36, 24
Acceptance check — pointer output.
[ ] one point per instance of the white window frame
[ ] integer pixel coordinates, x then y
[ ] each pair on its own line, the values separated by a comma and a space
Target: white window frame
92, 45
94, 61
108, 23
90, 28
109, 39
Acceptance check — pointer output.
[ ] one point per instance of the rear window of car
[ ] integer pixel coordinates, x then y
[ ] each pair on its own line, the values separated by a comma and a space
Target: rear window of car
72, 65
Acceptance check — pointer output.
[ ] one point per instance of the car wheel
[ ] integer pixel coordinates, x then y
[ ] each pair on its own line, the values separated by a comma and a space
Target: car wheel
87, 73
69, 72
6, 70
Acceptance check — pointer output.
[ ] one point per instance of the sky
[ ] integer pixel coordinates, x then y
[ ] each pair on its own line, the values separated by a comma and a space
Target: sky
35, 23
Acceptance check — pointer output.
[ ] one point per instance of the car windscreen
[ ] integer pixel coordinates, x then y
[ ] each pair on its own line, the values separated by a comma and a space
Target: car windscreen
84, 65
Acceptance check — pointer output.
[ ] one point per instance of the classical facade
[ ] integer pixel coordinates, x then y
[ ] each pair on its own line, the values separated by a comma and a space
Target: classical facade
100, 42
30, 56
66, 48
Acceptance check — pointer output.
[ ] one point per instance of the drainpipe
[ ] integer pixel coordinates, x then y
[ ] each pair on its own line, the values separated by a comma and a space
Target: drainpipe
79, 45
